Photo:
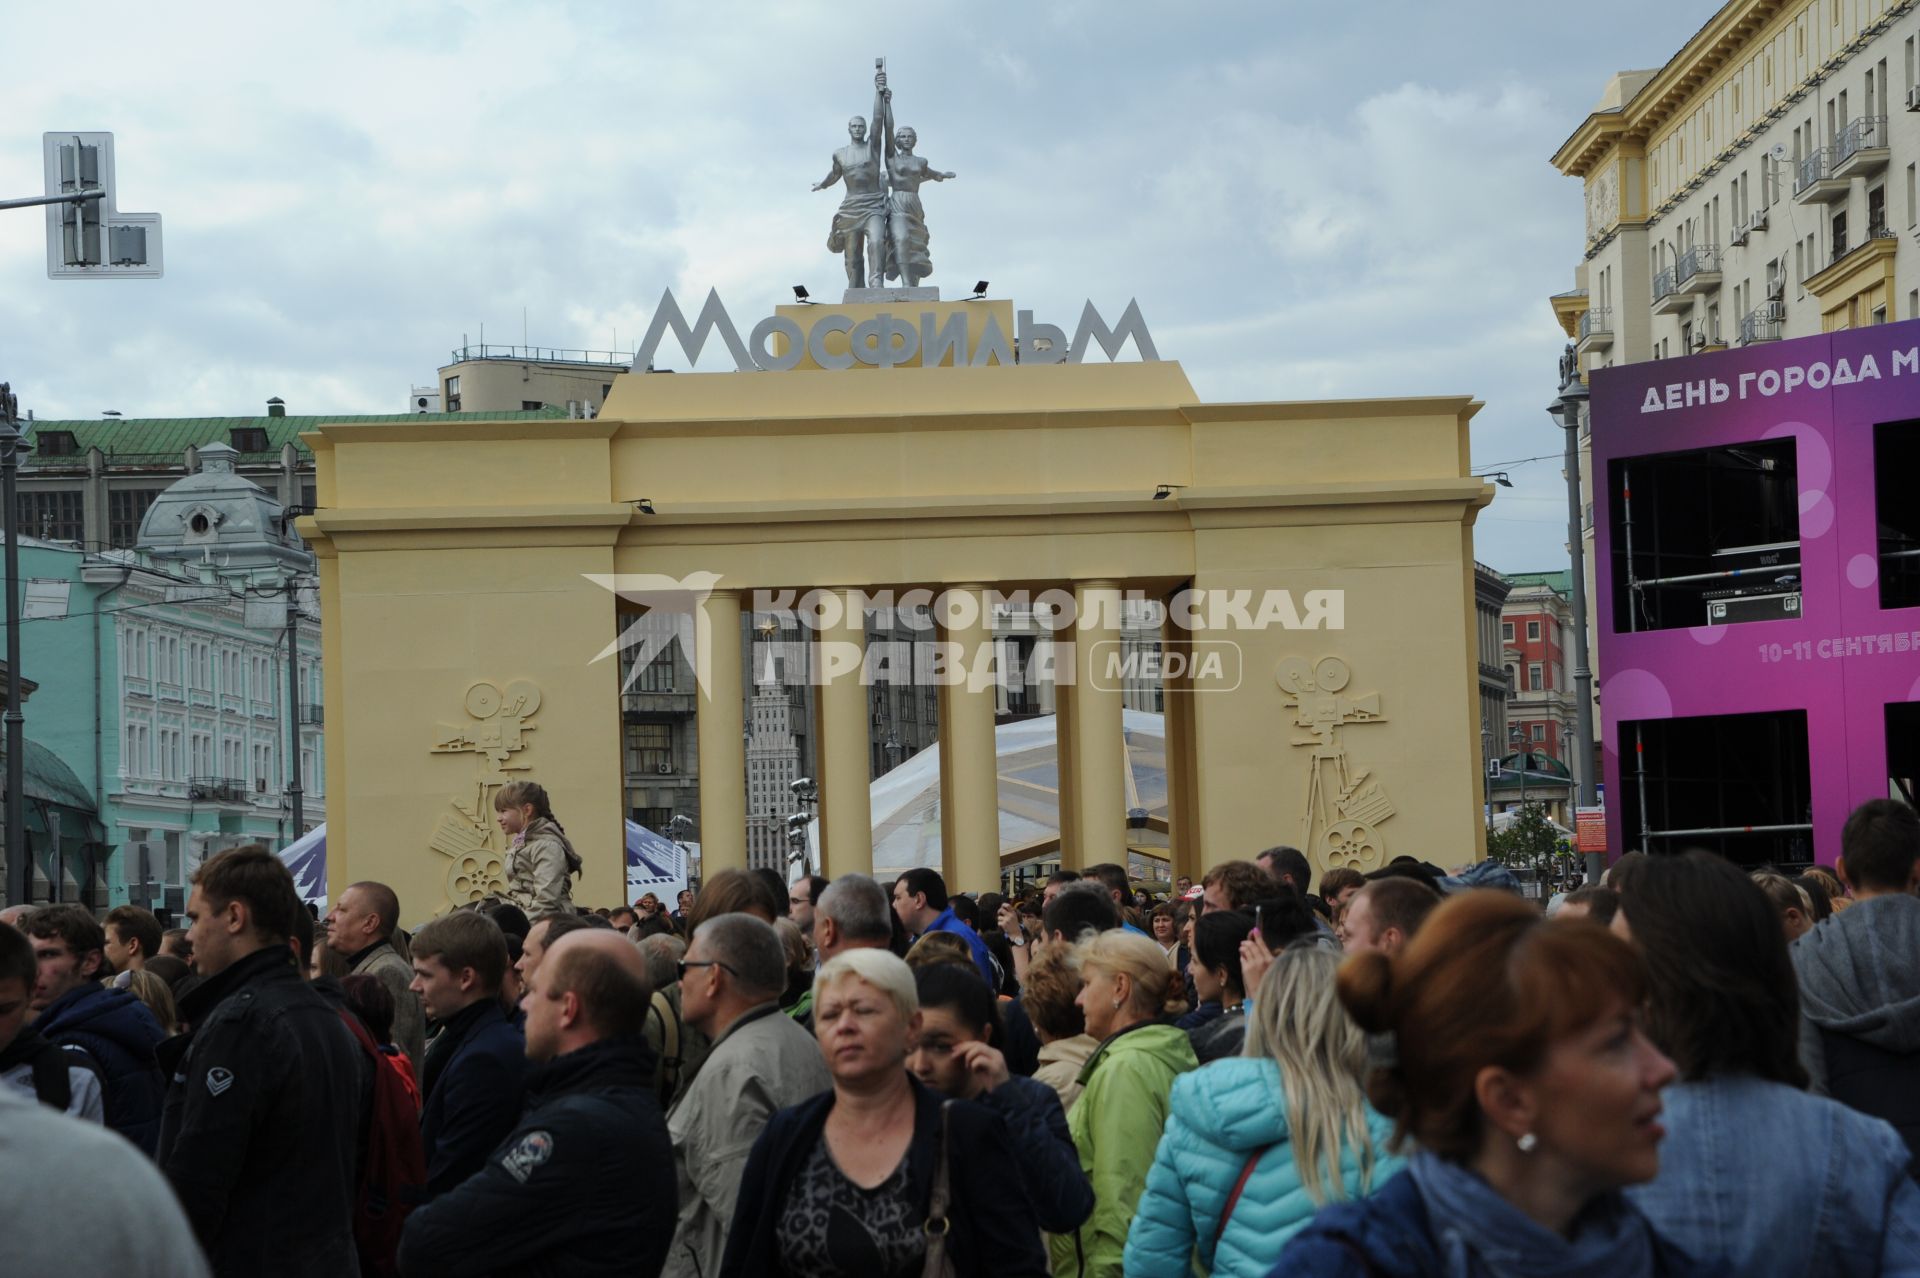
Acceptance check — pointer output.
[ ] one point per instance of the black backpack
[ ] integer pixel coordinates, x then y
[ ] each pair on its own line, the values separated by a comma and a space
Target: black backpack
51, 1081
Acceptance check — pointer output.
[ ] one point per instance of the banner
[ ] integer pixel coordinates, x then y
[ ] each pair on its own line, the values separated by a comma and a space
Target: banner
1590, 825
655, 864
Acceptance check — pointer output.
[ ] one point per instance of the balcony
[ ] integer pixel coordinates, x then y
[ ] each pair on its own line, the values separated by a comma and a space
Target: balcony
1816, 183
1667, 297
1861, 149
217, 790
1763, 323
1698, 271
1596, 330
312, 716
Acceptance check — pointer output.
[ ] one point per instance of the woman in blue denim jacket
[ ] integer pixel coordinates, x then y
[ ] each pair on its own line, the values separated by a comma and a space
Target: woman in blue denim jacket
1754, 1168
1520, 1069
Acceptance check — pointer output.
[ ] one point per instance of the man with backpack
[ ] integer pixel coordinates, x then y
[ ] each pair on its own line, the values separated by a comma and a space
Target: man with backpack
475, 1071
62, 1078
259, 1131
112, 1027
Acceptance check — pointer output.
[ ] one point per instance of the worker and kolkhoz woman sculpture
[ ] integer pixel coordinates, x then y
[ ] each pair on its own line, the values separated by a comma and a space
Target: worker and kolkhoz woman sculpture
880, 226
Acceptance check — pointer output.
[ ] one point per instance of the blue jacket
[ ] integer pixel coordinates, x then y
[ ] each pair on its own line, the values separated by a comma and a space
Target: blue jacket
992, 1230
1779, 1181
120, 1034
982, 957
1060, 1192
1391, 1236
1222, 1114
473, 1086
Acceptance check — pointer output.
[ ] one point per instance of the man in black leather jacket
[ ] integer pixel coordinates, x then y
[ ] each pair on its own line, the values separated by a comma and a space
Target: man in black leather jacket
585, 1183
260, 1123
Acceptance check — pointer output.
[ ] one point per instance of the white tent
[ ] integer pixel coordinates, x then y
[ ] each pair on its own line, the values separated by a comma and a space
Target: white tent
906, 801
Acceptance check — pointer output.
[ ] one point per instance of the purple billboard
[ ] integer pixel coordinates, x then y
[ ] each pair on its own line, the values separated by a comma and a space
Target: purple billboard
1757, 591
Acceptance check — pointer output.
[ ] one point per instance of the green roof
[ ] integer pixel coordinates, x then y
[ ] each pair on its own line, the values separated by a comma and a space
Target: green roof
1560, 582
171, 436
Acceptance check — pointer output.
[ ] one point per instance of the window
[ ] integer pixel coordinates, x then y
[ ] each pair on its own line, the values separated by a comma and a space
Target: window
655, 819
1876, 211
1506, 631
55, 443
1839, 227
134, 761
1539, 732
51, 514
126, 507
450, 395
1533, 630
1534, 679
649, 748
249, 439
657, 675
1896, 450
1721, 541
1758, 787
531, 405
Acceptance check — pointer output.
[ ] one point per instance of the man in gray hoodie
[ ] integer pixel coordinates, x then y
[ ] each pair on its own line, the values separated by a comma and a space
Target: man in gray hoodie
1860, 974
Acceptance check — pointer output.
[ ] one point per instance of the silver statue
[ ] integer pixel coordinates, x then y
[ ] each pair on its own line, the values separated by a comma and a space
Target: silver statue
881, 227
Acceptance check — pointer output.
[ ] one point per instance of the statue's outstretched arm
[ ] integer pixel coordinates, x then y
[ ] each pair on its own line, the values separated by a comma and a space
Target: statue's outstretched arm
833, 175
880, 141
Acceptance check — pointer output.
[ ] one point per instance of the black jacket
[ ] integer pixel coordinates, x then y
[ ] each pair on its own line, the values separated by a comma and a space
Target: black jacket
584, 1185
475, 1084
259, 1130
121, 1035
993, 1230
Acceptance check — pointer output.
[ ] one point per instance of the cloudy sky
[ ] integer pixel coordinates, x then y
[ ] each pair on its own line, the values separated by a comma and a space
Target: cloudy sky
1308, 199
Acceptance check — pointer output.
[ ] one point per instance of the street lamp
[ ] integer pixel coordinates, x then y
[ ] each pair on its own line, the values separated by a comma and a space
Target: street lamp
18, 880
1487, 772
1565, 410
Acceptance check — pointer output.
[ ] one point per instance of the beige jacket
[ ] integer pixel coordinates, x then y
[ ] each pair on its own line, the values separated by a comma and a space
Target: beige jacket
409, 1019
764, 1062
540, 871
1061, 1062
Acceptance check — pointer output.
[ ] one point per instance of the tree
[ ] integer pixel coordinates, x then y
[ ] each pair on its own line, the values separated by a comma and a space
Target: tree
1528, 843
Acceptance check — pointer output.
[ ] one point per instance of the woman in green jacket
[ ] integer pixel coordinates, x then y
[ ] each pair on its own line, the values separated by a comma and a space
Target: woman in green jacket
1126, 988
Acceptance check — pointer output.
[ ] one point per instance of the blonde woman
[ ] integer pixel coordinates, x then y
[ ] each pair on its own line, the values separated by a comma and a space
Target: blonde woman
1286, 1127
541, 862
155, 993
1126, 991
851, 1182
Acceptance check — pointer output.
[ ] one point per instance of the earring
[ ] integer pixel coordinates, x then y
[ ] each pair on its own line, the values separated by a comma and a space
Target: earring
1116, 1005
1528, 1143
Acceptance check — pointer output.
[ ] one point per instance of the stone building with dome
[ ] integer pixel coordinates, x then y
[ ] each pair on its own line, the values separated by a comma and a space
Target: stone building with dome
163, 687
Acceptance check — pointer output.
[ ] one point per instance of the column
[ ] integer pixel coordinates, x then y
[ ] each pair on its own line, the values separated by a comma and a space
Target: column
1183, 784
969, 773
846, 809
1098, 791
723, 758
1064, 655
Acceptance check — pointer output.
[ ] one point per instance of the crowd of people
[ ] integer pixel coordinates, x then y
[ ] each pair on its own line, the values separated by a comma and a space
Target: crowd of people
1687, 1070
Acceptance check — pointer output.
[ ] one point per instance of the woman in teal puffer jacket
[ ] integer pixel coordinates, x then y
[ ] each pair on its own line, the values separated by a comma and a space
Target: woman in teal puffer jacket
1287, 1124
